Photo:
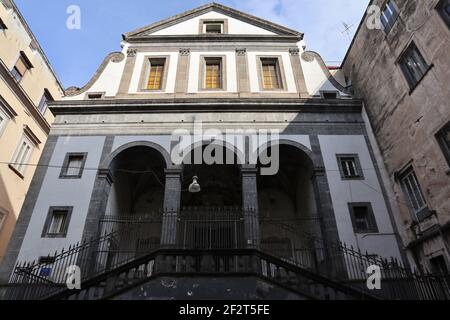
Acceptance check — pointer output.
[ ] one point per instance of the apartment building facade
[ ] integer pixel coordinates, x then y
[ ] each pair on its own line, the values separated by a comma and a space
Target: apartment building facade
27, 83
402, 72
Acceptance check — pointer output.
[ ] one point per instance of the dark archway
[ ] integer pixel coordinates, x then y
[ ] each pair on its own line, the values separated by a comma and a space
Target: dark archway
287, 206
135, 202
211, 218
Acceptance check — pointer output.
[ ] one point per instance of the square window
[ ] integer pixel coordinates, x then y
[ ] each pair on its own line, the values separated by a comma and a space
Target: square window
21, 67
350, 167
57, 222
413, 65
22, 155
444, 11
73, 166
156, 73
329, 94
414, 195
271, 74
443, 137
362, 217
213, 27
389, 15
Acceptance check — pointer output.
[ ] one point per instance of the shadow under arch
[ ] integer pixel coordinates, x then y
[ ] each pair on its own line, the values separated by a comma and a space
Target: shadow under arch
309, 155
105, 165
287, 202
238, 155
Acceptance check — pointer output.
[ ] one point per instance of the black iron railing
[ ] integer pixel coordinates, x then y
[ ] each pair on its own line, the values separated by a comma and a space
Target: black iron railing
220, 239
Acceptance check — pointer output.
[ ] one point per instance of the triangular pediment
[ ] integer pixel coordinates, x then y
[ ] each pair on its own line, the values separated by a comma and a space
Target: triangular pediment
187, 23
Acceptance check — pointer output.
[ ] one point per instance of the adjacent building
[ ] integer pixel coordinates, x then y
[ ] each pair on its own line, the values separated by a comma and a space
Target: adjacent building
402, 72
27, 83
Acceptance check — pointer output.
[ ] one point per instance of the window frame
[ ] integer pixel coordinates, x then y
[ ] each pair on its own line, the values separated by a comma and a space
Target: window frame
3, 25
372, 223
442, 13
440, 137
358, 167
95, 95
13, 165
280, 70
6, 118
48, 220
423, 212
65, 167
15, 72
3, 217
409, 77
390, 23
145, 73
42, 106
204, 22
336, 93
202, 72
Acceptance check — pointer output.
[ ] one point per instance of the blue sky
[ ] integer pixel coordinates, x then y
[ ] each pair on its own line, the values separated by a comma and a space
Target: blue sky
76, 54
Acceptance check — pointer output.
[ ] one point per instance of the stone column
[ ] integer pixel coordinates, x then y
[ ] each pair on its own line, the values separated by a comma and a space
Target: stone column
172, 200
250, 205
334, 259
98, 204
298, 73
242, 71
182, 77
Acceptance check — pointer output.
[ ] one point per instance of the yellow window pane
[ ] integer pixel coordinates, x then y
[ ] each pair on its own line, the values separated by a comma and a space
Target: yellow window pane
155, 77
212, 76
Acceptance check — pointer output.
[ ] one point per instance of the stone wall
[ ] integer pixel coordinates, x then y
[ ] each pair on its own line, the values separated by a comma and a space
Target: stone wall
406, 121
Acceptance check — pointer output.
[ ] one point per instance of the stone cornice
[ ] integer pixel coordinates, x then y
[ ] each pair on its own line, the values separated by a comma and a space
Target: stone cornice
23, 97
215, 37
203, 105
7, 108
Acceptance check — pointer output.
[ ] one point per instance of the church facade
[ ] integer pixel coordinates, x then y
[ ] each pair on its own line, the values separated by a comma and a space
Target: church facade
215, 141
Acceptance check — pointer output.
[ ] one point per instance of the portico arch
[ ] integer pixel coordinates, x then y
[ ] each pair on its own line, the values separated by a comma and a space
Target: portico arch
160, 149
287, 203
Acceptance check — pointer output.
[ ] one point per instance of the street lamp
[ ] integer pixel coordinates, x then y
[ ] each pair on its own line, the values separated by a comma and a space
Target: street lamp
194, 187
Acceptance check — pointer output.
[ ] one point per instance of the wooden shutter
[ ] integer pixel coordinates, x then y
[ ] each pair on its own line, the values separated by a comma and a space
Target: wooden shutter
271, 79
213, 75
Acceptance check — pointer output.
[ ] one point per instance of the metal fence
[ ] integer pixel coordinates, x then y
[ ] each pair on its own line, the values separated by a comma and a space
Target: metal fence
126, 239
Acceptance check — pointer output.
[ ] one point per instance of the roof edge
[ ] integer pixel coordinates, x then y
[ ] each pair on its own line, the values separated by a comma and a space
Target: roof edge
41, 51
265, 24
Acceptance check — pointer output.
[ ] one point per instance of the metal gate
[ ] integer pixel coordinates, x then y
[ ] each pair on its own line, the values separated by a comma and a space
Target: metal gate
211, 228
